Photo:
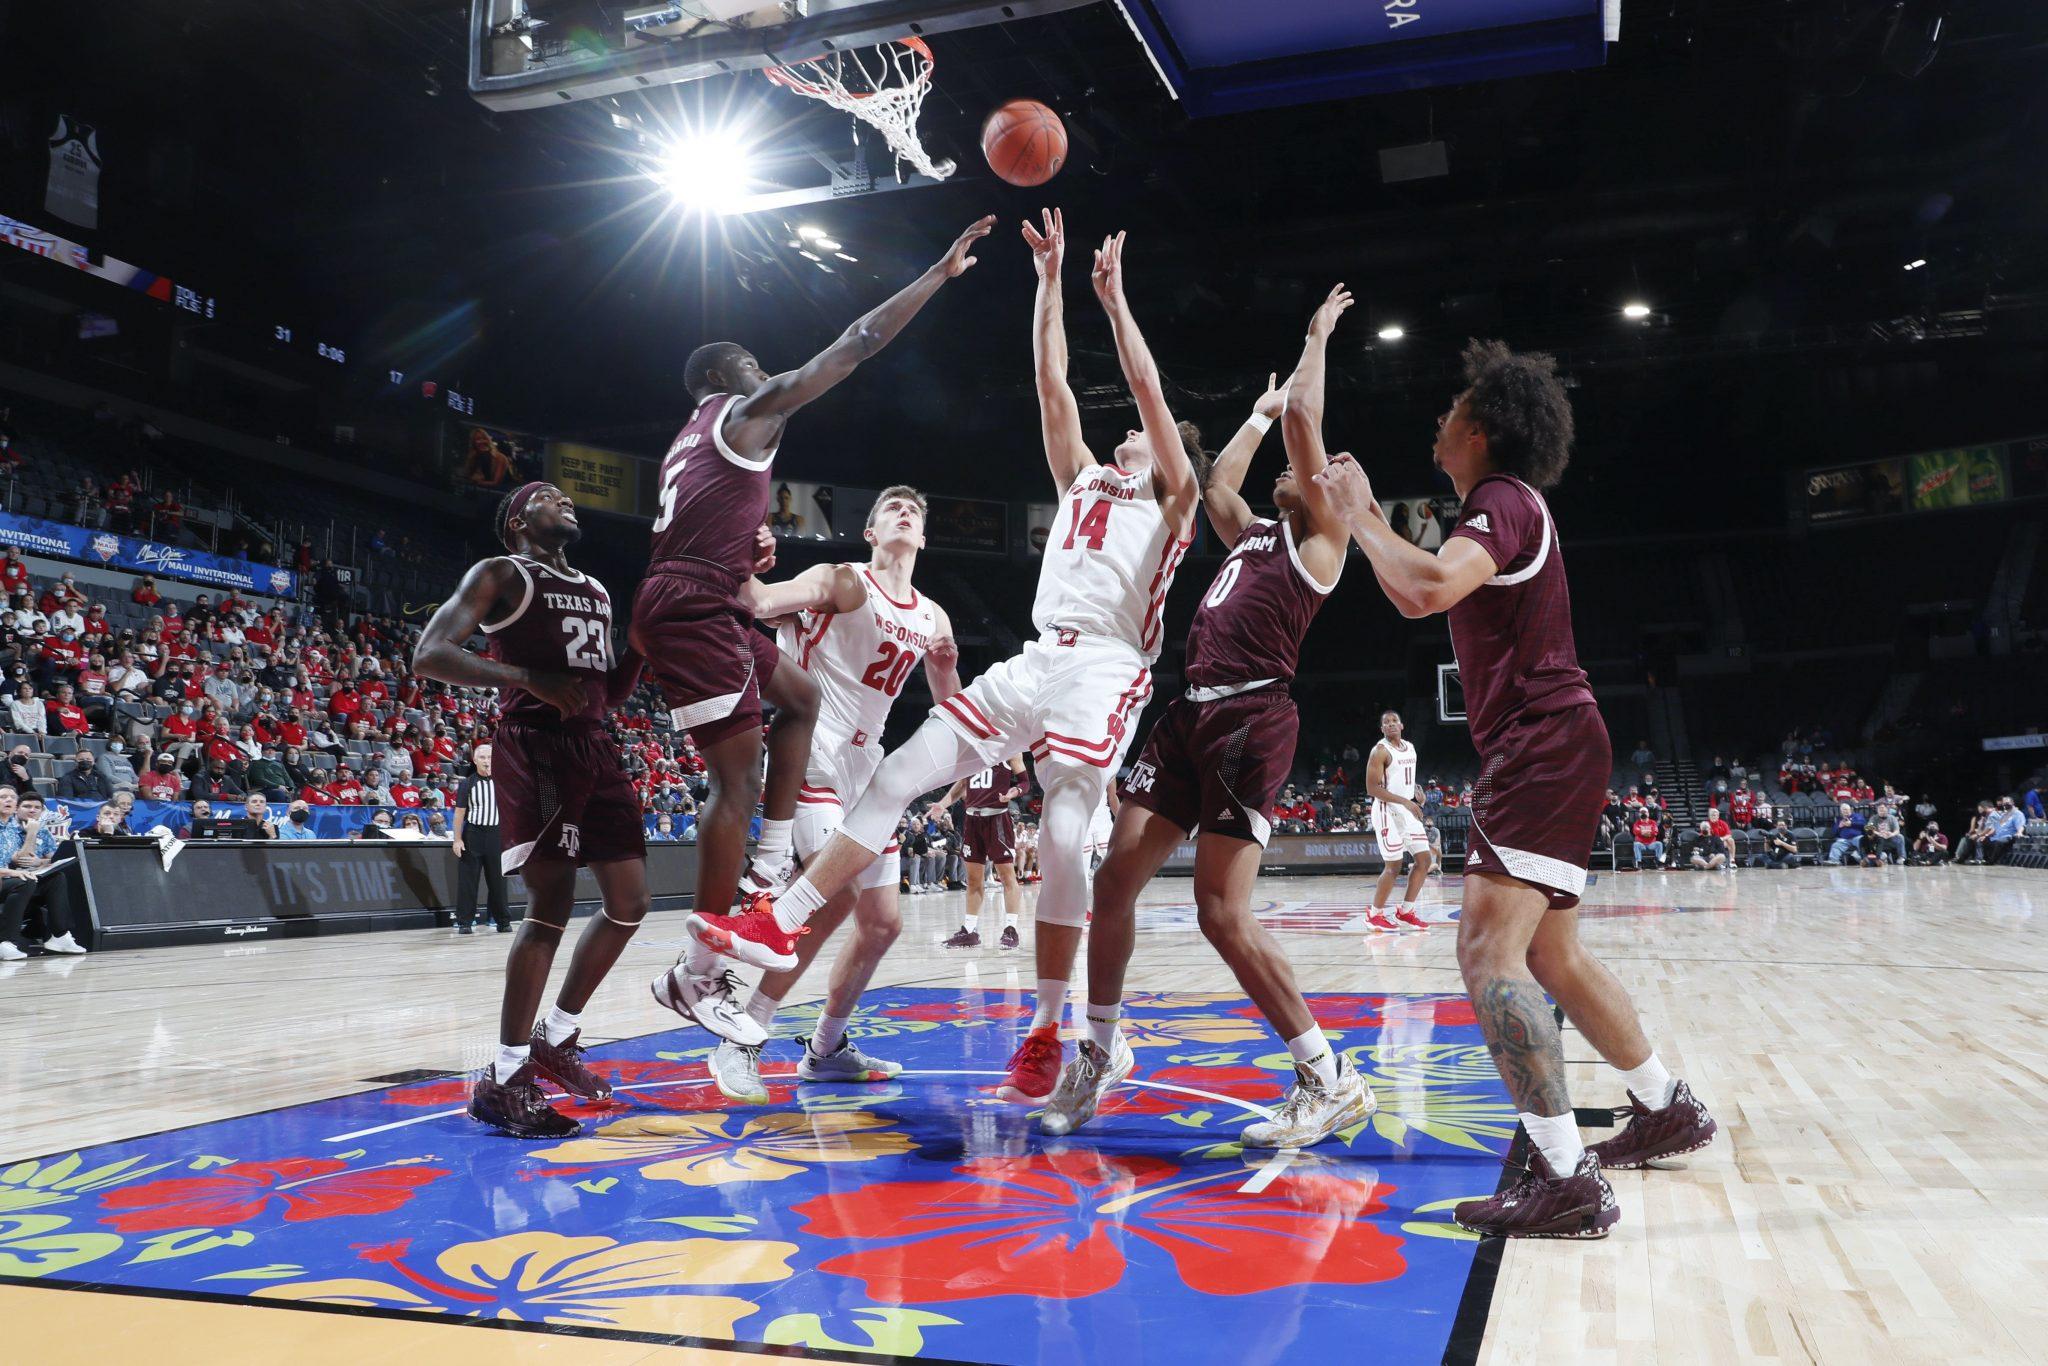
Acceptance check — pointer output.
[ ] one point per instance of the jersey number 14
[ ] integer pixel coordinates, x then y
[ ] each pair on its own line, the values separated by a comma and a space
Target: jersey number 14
1091, 526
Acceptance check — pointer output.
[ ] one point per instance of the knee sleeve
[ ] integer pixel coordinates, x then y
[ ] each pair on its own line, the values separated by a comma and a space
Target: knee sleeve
1070, 802
931, 758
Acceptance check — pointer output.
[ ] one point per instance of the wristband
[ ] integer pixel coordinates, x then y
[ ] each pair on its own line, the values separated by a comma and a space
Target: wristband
1259, 423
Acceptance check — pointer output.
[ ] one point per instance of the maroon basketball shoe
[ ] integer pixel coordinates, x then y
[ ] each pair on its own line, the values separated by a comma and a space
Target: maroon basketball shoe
1650, 1136
517, 1107
752, 936
1545, 1205
562, 1064
1034, 1068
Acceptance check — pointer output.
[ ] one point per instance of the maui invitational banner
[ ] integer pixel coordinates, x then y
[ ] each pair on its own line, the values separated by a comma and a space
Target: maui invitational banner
34, 536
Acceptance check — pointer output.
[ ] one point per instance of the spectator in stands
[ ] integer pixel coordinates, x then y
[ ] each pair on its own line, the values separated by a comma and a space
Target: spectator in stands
13, 572
127, 678
2007, 825
2031, 801
65, 713
20, 774
61, 656
1741, 805
145, 592
255, 823
68, 616
107, 821
86, 504
345, 790
115, 765
267, 774
1930, 846
120, 501
161, 783
35, 844
379, 827
297, 824
1848, 841
168, 517
1883, 840
1780, 849
1970, 849
376, 787
437, 826
1725, 837
664, 827
84, 782
27, 622
202, 817
214, 783
26, 713
1708, 853
1650, 792
1717, 776
1642, 757
1648, 838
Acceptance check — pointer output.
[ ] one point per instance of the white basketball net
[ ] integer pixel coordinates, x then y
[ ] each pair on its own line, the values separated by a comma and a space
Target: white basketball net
883, 87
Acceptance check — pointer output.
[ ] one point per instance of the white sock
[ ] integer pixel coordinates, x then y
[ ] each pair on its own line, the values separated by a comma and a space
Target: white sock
1649, 1082
1102, 1021
1009, 920
773, 850
1557, 1138
511, 1057
560, 1024
1311, 1050
797, 905
831, 1029
971, 923
699, 960
1052, 1003
762, 1007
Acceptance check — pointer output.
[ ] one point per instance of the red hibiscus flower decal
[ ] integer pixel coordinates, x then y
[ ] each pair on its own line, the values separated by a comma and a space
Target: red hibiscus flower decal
1242, 1083
1069, 1225
453, 1091
304, 1187
959, 1012
1334, 1011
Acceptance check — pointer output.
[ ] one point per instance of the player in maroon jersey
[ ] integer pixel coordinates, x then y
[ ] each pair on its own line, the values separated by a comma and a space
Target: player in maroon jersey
1214, 763
563, 800
1545, 763
988, 839
700, 643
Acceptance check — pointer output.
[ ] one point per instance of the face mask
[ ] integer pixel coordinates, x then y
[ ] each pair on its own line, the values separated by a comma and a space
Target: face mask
298, 818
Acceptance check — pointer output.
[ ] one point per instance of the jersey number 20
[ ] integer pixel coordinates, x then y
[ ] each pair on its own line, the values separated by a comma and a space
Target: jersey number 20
890, 669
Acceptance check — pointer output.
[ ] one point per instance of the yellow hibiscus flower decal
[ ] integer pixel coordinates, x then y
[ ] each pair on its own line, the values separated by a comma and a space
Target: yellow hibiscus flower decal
550, 1278
712, 1149
1168, 1031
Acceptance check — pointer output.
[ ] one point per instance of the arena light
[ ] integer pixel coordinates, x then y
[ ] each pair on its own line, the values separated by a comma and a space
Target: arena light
1916, 264
809, 233
707, 173
1392, 332
825, 244
844, 257
1635, 310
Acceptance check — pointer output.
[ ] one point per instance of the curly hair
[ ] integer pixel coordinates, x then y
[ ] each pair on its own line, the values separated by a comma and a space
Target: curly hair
1203, 460
1521, 405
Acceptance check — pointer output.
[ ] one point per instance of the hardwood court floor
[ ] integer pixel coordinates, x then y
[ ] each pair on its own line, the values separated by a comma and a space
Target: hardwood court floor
1874, 1044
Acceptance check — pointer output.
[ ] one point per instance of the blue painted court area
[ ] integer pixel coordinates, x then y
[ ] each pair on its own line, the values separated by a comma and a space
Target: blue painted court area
920, 1218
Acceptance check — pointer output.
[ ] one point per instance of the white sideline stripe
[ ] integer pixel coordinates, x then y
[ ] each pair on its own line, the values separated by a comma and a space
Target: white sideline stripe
1257, 1109
1264, 1176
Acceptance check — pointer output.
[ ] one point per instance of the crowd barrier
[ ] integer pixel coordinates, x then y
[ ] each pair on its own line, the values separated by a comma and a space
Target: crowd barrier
326, 822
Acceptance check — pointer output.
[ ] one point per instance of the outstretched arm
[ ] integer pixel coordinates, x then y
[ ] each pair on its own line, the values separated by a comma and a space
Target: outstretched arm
485, 591
942, 657
1228, 512
1301, 429
821, 588
1059, 417
1173, 473
756, 421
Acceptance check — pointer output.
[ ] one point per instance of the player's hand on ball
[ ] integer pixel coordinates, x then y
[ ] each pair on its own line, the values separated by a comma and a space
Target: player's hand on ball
1274, 400
1332, 308
957, 259
1048, 247
1345, 486
764, 549
564, 692
1108, 275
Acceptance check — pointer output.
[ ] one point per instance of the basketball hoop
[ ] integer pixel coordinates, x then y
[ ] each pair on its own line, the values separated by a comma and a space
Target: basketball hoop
896, 76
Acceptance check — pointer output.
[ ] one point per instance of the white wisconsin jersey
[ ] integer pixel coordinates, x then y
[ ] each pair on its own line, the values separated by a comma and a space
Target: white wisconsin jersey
1400, 768
861, 660
1109, 561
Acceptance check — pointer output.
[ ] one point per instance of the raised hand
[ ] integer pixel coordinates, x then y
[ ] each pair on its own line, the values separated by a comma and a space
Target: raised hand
1346, 488
1049, 246
1274, 400
944, 652
1332, 308
957, 259
1108, 274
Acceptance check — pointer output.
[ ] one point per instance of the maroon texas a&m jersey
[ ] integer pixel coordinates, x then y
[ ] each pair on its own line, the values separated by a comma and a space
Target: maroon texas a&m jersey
1250, 625
712, 499
990, 790
563, 624
1512, 635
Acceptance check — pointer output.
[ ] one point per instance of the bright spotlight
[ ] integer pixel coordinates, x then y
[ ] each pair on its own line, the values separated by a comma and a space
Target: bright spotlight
809, 233
1392, 332
825, 244
1635, 312
1915, 265
706, 172
844, 257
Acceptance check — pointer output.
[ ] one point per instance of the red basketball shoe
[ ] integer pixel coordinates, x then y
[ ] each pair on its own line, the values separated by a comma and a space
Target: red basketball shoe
1545, 1205
1034, 1068
752, 935
1410, 919
1379, 920
1651, 1136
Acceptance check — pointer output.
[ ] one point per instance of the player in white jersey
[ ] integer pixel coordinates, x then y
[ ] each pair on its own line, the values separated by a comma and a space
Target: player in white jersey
858, 631
1073, 695
1397, 822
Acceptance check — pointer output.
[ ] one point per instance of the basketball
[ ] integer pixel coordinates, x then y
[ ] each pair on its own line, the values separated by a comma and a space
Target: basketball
1025, 142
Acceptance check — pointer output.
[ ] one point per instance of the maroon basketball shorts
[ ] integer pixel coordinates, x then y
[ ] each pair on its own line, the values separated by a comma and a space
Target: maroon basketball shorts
703, 650
989, 839
1215, 767
563, 798
1537, 803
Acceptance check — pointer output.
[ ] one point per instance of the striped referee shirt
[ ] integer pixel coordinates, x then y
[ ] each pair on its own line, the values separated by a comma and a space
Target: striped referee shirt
478, 798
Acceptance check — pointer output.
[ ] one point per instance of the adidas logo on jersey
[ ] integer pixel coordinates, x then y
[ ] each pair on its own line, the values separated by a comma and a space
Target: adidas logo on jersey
1477, 521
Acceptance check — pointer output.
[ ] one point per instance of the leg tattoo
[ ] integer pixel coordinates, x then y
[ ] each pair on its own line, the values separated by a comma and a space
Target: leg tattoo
1522, 1036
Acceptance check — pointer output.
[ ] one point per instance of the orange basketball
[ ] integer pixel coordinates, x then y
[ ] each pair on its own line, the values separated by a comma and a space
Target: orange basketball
1025, 142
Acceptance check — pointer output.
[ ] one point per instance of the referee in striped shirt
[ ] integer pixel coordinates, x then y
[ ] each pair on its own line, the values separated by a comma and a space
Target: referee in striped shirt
478, 849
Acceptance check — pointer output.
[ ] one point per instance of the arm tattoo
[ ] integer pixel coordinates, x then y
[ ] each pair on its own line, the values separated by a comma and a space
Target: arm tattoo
1522, 1036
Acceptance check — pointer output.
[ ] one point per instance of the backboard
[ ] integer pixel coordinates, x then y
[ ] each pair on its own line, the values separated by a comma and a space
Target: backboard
524, 54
